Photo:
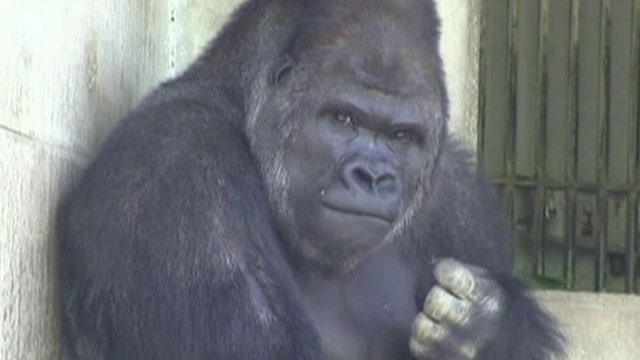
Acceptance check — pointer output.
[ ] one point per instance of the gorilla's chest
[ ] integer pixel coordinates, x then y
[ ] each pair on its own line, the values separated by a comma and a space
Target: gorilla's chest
366, 315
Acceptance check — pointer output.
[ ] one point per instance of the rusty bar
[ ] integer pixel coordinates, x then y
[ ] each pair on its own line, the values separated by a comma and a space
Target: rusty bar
512, 65
571, 144
602, 186
593, 187
631, 243
601, 162
540, 150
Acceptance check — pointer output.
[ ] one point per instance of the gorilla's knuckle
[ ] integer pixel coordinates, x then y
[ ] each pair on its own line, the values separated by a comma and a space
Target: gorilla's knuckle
457, 277
443, 306
436, 300
468, 351
420, 322
418, 349
464, 283
427, 331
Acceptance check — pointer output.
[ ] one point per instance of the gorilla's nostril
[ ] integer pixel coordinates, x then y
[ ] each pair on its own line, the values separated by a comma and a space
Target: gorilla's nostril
386, 184
363, 178
380, 184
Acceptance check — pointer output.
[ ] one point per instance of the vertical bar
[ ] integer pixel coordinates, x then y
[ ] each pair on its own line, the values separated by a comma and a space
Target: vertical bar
527, 92
588, 90
616, 236
496, 96
631, 245
619, 41
632, 283
512, 67
620, 157
603, 146
557, 89
556, 129
616, 128
636, 90
571, 144
600, 231
509, 200
540, 145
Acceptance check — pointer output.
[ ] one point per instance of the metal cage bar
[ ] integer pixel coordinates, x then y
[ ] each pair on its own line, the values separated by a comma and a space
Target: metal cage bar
594, 141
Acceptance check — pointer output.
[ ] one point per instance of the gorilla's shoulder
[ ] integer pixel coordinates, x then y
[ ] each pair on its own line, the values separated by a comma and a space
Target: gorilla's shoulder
167, 124
180, 168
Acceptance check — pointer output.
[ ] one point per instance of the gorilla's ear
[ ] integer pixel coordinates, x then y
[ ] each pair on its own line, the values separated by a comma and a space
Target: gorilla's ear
281, 70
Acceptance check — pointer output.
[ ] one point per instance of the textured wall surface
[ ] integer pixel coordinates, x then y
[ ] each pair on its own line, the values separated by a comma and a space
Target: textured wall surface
597, 326
70, 69
459, 47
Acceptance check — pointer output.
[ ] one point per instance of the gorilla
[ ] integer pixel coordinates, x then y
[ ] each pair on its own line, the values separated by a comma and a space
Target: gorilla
295, 194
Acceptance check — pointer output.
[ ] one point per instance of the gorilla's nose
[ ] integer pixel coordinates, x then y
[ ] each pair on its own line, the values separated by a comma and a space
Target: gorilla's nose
372, 177
366, 187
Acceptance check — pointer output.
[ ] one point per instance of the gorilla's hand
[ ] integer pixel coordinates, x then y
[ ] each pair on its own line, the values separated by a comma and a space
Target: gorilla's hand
461, 313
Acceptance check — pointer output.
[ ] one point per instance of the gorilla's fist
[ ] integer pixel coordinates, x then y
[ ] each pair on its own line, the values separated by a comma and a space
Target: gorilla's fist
461, 313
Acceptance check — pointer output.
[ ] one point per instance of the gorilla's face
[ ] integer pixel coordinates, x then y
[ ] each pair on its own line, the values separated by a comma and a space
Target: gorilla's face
354, 163
353, 167
346, 139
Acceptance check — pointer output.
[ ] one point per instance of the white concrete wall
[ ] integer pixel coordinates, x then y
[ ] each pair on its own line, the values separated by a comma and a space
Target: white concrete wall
69, 69
597, 326
459, 47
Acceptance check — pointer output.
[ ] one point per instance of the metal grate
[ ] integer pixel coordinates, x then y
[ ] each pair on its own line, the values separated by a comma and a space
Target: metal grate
558, 135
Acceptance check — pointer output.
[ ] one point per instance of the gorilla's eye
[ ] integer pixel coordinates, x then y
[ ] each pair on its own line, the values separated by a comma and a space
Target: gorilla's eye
344, 119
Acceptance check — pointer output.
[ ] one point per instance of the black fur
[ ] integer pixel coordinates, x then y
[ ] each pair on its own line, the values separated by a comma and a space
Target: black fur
171, 246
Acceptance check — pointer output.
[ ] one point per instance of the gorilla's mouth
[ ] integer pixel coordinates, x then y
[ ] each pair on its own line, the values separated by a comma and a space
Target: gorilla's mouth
354, 210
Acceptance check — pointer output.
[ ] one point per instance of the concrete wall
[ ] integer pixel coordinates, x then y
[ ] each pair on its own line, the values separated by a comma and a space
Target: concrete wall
70, 69
459, 47
598, 326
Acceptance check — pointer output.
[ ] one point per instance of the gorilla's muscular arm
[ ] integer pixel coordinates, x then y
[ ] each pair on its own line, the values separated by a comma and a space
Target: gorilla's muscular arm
165, 236
157, 242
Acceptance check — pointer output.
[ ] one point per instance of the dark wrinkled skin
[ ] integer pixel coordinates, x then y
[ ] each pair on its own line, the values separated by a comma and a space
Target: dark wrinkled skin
295, 195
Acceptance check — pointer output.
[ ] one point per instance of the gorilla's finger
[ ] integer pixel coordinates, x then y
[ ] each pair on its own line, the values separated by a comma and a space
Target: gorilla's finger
457, 278
468, 351
419, 350
430, 338
442, 306
467, 281
472, 283
426, 351
426, 331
